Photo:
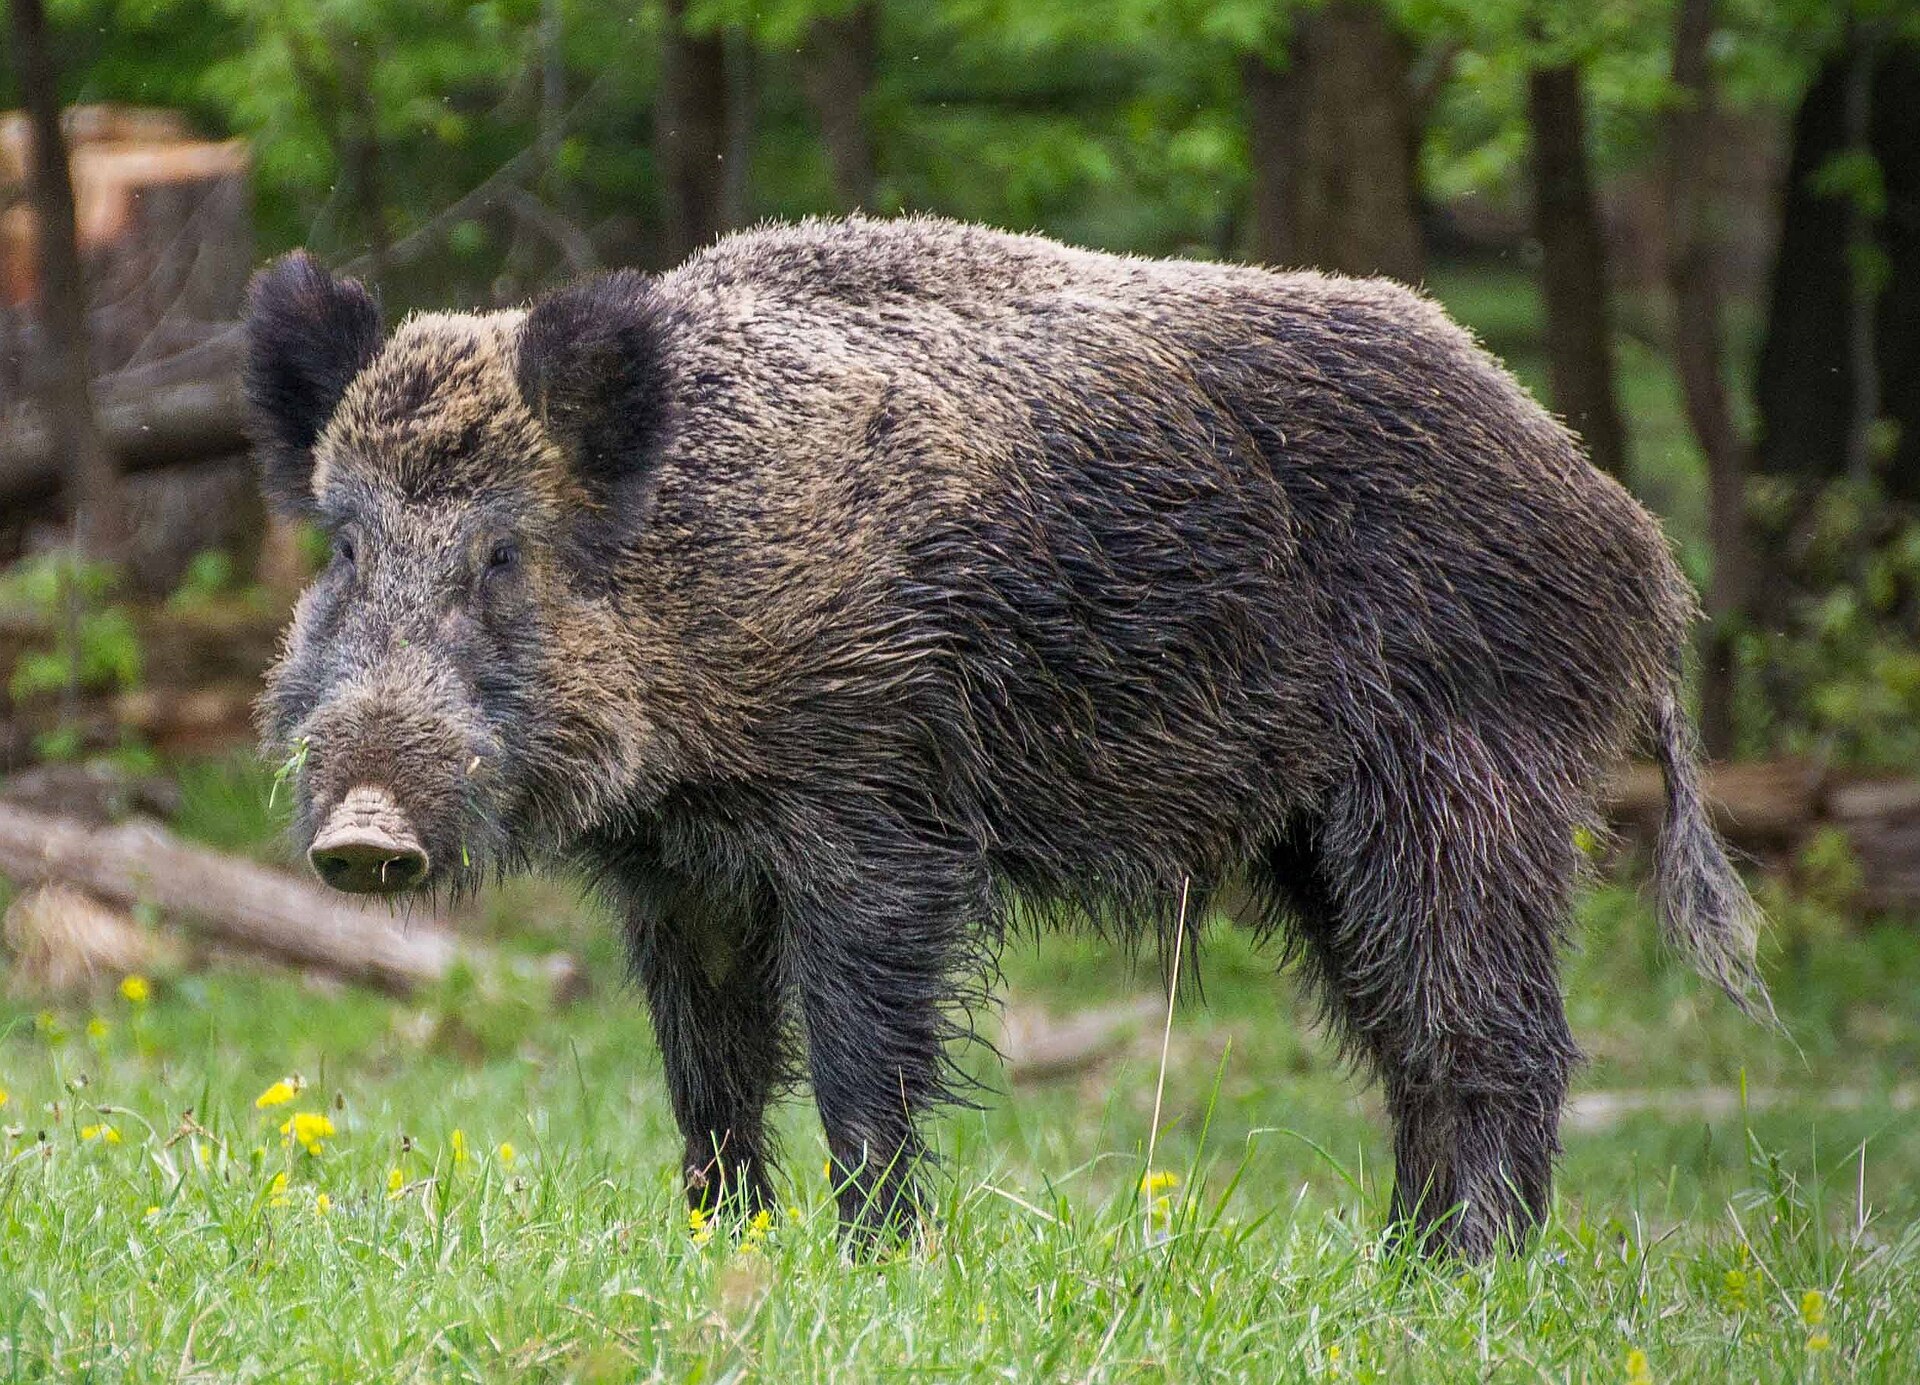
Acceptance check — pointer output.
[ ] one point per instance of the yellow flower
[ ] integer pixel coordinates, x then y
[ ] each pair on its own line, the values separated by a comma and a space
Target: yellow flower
1154, 1184
1736, 1290
396, 1183
1818, 1341
102, 1132
1637, 1372
277, 1191
3, 1096
152, 1213
322, 1204
757, 1228
795, 1215
135, 989
698, 1226
457, 1143
1813, 1308
98, 1029
307, 1129
507, 1154
280, 1093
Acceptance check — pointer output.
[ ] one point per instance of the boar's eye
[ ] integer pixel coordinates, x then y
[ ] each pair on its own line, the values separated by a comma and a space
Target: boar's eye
344, 549
503, 558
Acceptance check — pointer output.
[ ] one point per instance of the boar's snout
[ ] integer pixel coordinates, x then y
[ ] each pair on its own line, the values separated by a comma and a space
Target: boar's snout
367, 846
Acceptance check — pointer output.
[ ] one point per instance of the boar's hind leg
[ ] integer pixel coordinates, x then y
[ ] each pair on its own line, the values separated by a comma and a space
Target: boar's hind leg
1430, 913
711, 967
880, 965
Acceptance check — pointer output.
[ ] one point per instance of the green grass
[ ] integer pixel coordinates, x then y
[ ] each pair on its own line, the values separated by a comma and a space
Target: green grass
1690, 1231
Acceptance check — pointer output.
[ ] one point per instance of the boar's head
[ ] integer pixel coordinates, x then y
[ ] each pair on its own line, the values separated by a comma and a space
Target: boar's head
454, 694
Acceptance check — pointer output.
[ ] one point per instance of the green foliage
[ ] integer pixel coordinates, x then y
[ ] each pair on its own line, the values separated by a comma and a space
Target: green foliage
1835, 672
103, 654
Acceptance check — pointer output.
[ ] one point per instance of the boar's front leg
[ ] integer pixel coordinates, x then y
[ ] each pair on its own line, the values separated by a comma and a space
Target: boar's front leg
710, 964
880, 963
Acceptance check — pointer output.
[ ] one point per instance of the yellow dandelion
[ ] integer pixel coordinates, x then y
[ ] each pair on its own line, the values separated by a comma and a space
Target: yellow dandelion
1813, 1308
507, 1154
308, 1129
757, 1228
322, 1204
1637, 1371
135, 989
102, 1132
1160, 1181
699, 1226
152, 1213
457, 1143
396, 1183
4, 1098
98, 1029
277, 1191
280, 1093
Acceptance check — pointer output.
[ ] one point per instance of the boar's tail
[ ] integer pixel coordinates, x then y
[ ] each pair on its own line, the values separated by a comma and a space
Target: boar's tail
1709, 916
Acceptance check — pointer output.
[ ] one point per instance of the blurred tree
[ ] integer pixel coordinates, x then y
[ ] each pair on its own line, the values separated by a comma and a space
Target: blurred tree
1700, 361
837, 66
94, 495
691, 128
1838, 379
1332, 139
1573, 262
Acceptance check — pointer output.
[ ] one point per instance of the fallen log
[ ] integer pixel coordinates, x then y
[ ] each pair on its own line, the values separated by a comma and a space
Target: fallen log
184, 422
228, 900
1769, 810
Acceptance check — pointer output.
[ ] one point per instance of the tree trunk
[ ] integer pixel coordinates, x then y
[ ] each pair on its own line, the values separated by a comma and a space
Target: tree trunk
837, 65
93, 484
690, 130
363, 161
1350, 185
1573, 269
1813, 395
1700, 361
742, 59
1273, 122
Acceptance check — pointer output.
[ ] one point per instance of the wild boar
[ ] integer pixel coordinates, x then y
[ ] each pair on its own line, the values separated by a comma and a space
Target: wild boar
832, 592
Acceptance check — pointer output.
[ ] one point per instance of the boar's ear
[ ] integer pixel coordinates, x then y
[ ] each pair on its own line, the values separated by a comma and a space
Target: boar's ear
308, 335
593, 369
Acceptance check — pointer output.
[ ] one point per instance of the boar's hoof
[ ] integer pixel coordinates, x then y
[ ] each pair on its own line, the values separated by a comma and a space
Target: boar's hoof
368, 846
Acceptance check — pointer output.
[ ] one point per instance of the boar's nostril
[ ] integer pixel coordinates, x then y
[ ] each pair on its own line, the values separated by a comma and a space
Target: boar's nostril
368, 846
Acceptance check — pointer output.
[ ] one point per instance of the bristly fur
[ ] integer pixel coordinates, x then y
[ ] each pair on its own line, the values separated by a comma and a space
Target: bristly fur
965, 568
